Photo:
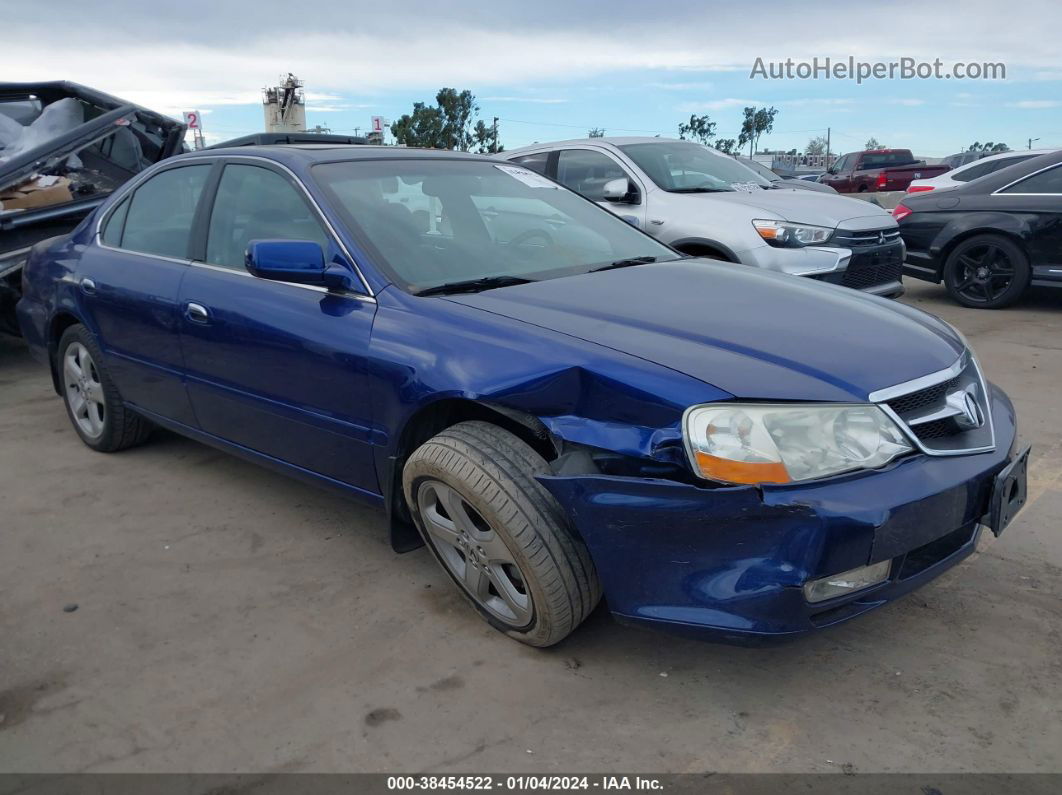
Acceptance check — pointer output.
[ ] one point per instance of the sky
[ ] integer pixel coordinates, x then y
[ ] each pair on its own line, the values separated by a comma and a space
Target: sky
552, 70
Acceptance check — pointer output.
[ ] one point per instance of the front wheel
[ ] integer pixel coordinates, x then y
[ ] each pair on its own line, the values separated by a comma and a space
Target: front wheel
92, 401
986, 272
499, 534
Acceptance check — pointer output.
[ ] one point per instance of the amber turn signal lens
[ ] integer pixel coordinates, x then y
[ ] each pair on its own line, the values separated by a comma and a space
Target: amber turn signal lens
724, 469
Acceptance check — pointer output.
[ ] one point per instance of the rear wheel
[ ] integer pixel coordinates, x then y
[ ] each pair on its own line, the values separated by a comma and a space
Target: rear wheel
92, 401
986, 272
499, 534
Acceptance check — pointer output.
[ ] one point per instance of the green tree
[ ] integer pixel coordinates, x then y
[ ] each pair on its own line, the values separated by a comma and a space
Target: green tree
728, 146
873, 143
446, 125
816, 146
757, 121
485, 138
698, 128
423, 127
596, 132
977, 146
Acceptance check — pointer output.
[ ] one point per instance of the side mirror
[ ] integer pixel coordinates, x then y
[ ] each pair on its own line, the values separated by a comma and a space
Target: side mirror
297, 261
619, 190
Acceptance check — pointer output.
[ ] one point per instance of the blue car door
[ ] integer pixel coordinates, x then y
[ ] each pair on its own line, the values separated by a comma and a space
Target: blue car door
128, 282
275, 367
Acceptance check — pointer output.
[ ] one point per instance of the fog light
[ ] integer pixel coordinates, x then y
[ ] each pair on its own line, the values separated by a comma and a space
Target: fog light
846, 582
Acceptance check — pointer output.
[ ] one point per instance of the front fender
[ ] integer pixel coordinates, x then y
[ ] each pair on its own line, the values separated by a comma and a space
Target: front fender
581, 392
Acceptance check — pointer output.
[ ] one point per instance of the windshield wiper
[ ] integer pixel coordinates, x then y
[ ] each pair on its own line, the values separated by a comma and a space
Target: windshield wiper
623, 263
473, 285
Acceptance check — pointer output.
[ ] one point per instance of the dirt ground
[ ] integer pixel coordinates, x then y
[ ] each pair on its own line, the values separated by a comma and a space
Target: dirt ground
229, 619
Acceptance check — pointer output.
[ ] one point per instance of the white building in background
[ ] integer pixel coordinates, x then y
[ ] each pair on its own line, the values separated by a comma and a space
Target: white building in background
285, 106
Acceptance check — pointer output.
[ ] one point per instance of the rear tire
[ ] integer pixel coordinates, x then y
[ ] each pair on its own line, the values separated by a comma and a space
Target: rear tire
987, 272
499, 534
92, 400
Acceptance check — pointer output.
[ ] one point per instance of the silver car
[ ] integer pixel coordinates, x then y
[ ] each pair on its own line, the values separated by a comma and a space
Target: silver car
706, 204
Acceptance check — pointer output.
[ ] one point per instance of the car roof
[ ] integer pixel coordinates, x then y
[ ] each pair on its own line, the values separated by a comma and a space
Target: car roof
319, 153
610, 140
1005, 176
999, 155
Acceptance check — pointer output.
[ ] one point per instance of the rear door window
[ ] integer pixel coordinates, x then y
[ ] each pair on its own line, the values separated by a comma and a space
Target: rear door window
1046, 182
537, 162
161, 211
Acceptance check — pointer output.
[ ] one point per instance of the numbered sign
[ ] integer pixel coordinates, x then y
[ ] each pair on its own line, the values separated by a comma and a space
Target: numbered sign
191, 119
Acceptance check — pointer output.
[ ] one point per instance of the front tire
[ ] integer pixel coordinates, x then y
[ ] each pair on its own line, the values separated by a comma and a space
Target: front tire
92, 400
499, 534
986, 272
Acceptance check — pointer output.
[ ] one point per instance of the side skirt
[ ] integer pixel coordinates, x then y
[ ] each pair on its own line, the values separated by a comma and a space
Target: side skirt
268, 461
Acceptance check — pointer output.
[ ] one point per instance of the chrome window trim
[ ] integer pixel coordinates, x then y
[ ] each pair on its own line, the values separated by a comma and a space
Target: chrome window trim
312, 287
880, 397
143, 177
999, 191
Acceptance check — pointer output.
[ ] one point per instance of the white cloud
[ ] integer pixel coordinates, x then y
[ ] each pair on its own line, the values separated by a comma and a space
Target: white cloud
907, 102
1036, 104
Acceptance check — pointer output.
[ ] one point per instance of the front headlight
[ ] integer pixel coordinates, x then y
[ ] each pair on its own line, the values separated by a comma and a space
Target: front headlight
784, 443
783, 234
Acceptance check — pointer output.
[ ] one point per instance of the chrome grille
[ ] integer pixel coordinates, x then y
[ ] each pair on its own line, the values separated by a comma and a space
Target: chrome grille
870, 237
945, 413
877, 256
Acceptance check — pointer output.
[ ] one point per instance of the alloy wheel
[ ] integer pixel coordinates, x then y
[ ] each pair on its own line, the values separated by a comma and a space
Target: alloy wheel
475, 554
84, 390
984, 273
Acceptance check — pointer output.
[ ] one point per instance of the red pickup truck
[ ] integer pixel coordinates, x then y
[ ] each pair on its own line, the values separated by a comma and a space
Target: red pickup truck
878, 170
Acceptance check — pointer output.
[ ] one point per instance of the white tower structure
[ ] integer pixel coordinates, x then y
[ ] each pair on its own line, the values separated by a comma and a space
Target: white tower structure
285, 106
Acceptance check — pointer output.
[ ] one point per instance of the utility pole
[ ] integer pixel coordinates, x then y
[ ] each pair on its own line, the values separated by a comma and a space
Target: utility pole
1031, 140
494, 146
827, 147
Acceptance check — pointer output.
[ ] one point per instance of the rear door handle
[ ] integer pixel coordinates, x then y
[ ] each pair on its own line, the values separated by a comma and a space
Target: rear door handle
197, 313
88, 287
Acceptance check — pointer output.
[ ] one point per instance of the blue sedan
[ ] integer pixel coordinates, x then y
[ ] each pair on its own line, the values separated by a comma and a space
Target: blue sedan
555, 403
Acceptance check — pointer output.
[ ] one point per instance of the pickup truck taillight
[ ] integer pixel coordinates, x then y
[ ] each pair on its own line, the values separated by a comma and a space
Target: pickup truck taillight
918, 188
881, 181
900, 211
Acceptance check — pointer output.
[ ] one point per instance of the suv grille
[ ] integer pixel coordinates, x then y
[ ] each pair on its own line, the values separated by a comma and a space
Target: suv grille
877, 257
950, 416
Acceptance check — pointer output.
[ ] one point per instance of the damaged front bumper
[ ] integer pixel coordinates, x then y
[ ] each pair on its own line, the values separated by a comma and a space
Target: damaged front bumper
730, 564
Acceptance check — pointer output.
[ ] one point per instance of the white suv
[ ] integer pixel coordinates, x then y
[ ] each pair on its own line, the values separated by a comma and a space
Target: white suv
707, 204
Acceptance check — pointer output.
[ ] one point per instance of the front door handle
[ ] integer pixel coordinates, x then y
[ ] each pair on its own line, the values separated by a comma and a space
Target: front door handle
197, 313
88, 287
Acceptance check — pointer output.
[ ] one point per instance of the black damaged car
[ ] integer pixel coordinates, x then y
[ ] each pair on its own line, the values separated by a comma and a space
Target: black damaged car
990, 239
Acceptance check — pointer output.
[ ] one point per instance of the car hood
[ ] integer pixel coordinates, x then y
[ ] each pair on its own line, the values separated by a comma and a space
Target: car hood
752, 333
809, 207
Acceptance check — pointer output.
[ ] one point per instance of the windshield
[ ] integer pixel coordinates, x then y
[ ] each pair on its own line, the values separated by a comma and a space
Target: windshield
761, 169
436, 222
682, 167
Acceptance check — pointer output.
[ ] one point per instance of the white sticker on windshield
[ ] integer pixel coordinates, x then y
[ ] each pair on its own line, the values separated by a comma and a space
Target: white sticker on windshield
745, 187
529, 178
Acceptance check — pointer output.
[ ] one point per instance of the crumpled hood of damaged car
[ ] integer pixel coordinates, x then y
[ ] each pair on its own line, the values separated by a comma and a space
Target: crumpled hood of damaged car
752, 333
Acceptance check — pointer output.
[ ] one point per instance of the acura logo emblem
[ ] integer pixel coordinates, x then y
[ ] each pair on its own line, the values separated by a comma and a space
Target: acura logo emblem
968, 414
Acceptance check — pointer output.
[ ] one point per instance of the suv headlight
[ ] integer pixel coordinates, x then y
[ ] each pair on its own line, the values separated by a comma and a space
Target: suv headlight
785, 443
783, 234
